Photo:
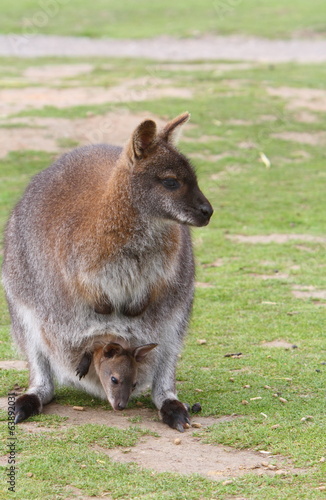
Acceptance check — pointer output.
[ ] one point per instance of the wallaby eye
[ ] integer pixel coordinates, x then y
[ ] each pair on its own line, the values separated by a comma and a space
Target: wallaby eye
114, 380
170, 183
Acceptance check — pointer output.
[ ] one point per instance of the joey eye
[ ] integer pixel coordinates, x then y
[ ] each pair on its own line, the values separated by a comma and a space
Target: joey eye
170, 183
114, 380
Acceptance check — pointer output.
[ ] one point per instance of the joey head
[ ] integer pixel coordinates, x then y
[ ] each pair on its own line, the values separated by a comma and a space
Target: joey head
117, 369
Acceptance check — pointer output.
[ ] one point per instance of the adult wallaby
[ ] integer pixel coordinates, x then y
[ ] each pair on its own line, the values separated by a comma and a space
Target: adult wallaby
100, 242
119, 369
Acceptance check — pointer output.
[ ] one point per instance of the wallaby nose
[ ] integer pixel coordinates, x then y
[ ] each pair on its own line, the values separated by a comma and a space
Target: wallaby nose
206, 209
121, 406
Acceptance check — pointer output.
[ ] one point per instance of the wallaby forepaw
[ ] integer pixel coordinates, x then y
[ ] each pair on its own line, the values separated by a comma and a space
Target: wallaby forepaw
26, 406
84, 364
175, 415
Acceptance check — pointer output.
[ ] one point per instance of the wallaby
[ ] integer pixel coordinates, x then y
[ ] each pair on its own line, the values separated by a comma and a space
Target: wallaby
117, 368
100, 241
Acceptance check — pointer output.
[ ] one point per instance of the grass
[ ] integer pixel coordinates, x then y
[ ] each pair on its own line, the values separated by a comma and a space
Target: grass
143, 19
248, 300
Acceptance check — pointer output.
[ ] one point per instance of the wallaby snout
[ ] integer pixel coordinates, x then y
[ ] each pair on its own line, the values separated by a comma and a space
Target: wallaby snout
204, 210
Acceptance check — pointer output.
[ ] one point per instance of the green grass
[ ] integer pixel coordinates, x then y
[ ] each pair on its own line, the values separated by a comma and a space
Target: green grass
239, 312
141, 19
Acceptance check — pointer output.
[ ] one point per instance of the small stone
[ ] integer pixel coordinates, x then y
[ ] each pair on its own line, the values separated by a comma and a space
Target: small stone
199, 390
196, 425
276, 426
281, 472
267, 387
78, 408
83, 466
244, 402
201, 341
271, 467
275, 395
265, 464
231, 379
227, 482
29, 474
283, 400
196, 408
322, 460
177, 441
247, 386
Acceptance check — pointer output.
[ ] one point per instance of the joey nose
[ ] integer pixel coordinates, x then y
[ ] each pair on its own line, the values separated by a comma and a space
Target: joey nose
121, 406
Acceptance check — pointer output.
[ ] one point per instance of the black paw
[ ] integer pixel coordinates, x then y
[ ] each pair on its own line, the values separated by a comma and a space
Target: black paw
27, 406
175, 414
84, 364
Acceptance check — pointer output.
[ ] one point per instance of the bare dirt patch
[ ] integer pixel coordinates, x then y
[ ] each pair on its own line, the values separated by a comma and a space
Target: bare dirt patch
45, 134
166, 48
216, 67
308, 292
275, 238
13, 365
312, 99
200, 284
312, 138
216, 263
283, 344
191, 456
275, 276
55, 73
132, 90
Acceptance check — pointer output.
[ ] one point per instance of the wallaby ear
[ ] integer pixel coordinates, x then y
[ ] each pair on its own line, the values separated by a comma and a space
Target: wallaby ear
112, 349
142, 138
141, 352
172, 130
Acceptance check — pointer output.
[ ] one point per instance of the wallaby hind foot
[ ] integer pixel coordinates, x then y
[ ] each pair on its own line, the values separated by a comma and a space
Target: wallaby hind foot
26, 406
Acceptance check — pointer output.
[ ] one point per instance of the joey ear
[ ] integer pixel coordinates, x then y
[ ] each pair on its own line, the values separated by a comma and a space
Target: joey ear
172, 130
142, 138
112, 349
141, 352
